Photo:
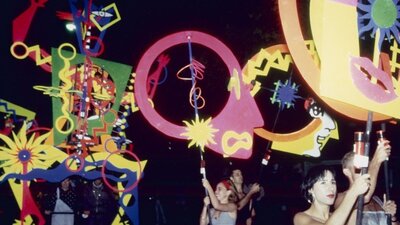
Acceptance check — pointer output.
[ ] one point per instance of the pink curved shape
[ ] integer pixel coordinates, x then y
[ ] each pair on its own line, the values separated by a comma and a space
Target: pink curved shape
230, 118
363, 83
304, 62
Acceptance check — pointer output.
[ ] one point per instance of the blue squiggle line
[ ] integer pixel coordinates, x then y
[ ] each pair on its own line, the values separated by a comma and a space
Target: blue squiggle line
12, 111
63, 172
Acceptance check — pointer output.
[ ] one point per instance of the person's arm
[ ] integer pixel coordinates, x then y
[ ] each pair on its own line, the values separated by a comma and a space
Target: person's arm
340, 215
204, 216
381, 153
229, 207
243, 202
252, 215
391, 208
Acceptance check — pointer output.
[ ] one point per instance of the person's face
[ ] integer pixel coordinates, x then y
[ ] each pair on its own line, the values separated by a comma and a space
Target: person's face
222, 193
237, 177
324, 190
353, 173
65, 184
98, 182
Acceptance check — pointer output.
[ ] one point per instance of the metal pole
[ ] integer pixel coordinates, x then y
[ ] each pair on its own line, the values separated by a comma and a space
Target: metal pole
364, 170
196, 112
381, 137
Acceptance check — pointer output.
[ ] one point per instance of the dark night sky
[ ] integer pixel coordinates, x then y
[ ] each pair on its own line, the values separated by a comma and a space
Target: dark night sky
173, 170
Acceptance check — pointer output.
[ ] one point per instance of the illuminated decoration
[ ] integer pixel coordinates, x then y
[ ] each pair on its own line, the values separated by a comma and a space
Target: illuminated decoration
90, 43
200, 132
234, 141
102, 17
340, 57
128, 100
97, 117
285, 94
15, 110
99, 91
90, 103
8, 125
234, 84
313, 143
32, 158
21, 26
33, 51
122, 170
21, 155
70, 26
154, 78
372, 91
228, 120
308, 140
379, 15
197, 73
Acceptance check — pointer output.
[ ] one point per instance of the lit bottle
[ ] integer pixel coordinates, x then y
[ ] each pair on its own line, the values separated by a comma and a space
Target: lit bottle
360, 161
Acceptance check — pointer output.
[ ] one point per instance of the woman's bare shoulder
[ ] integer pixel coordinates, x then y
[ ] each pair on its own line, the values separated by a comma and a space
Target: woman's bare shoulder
302, 218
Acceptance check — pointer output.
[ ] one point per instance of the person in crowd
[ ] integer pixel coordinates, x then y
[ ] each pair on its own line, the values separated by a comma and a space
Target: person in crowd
244, 195
319, 189
224, 208
100, 204
61, 204
375, 211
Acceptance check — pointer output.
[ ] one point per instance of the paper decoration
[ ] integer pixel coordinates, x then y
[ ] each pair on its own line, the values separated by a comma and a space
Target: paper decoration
234, 124
336, 35
308, 140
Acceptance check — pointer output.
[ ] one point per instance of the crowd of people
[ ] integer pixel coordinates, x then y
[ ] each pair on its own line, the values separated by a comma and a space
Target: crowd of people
83, 203
231, 203
320, 190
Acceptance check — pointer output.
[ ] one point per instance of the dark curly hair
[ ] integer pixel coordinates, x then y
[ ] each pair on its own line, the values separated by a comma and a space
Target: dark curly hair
314, 174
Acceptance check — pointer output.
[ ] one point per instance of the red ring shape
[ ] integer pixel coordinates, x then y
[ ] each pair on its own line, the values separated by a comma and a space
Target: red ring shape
78, 156
108, 183
151, 55
94, 54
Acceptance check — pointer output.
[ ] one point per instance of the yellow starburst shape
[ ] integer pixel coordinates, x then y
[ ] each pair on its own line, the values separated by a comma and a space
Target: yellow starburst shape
200, 132
20, 155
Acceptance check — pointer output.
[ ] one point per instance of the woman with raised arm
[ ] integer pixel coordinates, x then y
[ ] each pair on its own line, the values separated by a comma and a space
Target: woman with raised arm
224, 209
319, 189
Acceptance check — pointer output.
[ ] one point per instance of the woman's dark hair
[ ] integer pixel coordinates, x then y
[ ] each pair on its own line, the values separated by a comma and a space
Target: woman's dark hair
314, 174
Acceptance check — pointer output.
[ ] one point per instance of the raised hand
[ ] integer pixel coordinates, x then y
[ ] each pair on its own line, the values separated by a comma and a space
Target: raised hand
389, 206
254, 188
361, 184
207, 185
206, 201
382, 151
